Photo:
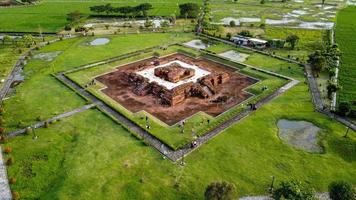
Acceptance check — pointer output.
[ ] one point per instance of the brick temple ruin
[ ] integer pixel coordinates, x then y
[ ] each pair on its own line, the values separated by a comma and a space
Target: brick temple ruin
204, 87
176, 86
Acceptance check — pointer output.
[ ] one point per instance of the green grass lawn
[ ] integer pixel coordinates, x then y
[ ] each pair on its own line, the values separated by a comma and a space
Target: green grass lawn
8, 57
50, 15
171, 135
41, 96
89, 156
345, 30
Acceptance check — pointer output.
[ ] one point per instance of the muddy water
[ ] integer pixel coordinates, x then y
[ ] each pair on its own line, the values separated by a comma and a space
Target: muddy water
300, 134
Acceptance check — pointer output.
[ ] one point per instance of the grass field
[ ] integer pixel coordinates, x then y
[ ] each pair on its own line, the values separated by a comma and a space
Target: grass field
271, 10
171, 135
345, 31
50, 15
28, 104
8, 58
98, 158
89, 156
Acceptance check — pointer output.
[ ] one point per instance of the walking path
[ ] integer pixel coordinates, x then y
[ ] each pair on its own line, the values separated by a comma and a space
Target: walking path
155, 142
5, 193
18, 67
319, 195
42, 123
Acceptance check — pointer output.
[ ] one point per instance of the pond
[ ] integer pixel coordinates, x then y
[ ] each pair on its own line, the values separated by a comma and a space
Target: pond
99, 41
300, 134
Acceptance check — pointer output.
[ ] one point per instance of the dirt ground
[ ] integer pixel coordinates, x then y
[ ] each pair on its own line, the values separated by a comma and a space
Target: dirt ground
121, 91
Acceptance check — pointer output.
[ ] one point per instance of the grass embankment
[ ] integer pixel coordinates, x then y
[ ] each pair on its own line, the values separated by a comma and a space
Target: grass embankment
50, 15
345, 32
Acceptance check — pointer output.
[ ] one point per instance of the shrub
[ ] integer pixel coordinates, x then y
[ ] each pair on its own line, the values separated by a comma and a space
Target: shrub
21, 124
228, 35
67, 27
28, 131
8, 150
340, 190
2, 139
232, 23
15, 195
246, 33
220, 190
9, 161
344, 108
2, 130
294, 190
2, 110
2, 121
46, 124
12, 180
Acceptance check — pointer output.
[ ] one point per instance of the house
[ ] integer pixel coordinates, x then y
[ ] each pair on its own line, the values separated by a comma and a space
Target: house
251, 42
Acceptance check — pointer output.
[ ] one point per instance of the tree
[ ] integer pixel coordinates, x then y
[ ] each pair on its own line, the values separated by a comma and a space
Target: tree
98, 9
292, 40
332, 87
220, 191
190, 10
262, 2
144, 8
148, 23
235, 1
232, 23
340, 190
293, 190
125, 10
164, 24
245, 33
317, 62
322, 2
6, 39
28, 40
344, 108
74, 16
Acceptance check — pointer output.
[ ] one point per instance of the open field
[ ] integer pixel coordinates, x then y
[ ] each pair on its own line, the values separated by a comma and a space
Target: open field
98, 158
196, 123
90, 156
296, 13
345, 30
27, 105
50, 15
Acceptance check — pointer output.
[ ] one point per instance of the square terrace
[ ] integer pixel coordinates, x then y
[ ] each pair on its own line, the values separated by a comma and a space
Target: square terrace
149, 73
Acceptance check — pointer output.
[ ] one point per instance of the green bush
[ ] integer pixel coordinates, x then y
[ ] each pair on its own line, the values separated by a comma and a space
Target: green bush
294, 190
220, 191
341, 190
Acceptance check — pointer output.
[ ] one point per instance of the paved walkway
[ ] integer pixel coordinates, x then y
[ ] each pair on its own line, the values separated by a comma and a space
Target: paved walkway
5, 193
42, 123
155, 142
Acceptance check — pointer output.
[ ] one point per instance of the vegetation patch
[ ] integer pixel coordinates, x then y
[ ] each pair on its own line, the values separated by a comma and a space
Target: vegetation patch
345, 31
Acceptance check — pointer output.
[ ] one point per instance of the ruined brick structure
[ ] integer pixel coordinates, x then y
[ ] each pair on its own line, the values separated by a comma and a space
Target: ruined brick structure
174, 72
204, 88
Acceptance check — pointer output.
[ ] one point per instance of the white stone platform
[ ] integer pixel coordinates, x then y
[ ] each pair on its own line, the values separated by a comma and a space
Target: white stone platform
149, 73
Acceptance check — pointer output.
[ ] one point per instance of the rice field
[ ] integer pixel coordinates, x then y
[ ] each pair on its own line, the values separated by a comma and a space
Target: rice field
345, 37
